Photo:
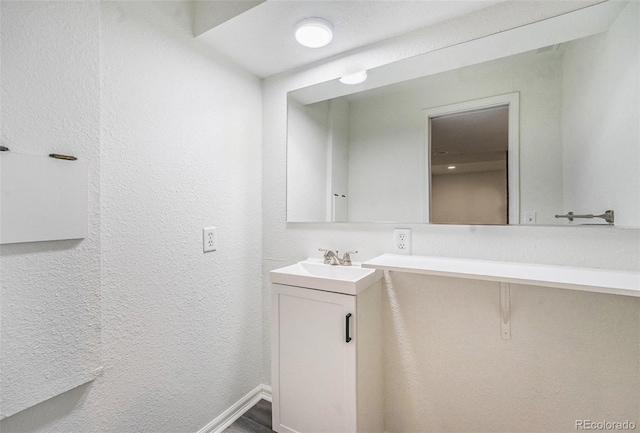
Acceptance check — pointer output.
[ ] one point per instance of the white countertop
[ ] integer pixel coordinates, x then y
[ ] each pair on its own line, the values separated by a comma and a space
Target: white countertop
314, 274
563, 277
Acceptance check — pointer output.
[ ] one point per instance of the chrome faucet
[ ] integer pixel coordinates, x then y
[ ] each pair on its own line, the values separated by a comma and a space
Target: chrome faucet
331, 258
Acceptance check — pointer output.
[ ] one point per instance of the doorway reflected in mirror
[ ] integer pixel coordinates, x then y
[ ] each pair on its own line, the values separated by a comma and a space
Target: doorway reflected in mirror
469, 170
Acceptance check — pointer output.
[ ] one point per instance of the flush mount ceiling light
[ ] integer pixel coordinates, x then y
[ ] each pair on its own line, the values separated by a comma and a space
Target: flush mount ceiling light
451, 167
313, 32
356, 78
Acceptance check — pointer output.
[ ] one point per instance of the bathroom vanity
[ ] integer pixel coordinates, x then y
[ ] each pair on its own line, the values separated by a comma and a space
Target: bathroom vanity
326, 348
327, 367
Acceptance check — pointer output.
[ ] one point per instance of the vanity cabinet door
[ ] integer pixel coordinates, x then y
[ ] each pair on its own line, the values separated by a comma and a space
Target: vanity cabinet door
313, 365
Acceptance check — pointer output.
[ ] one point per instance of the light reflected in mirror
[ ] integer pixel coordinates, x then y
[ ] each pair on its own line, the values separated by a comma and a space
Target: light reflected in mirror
365, 157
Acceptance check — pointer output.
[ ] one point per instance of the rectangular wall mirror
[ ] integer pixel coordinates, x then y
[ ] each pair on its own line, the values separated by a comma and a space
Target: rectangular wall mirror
533, 134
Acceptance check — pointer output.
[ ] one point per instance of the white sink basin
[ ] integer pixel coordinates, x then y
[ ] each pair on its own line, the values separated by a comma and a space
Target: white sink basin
311, 274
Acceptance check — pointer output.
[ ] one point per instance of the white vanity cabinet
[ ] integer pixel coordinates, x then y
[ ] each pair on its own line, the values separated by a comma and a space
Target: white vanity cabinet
327, 360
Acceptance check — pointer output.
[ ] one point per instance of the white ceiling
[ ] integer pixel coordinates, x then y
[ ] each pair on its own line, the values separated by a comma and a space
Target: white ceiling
261, 39
471, 132
475, 140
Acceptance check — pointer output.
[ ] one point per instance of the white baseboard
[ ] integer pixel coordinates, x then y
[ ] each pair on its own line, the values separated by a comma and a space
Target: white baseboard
237, 410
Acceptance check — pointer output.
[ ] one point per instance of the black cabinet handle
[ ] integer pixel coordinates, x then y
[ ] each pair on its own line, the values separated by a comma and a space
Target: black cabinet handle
348, 338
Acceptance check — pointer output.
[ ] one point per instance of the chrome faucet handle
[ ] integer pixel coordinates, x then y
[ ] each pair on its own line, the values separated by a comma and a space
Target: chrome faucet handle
330, 257
346, 258
327, 253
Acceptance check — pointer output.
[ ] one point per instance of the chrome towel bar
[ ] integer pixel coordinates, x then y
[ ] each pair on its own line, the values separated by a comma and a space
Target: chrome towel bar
607, 215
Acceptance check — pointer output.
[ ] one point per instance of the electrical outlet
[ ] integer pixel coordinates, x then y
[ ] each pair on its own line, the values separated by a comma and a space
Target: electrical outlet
209, 239
402, 241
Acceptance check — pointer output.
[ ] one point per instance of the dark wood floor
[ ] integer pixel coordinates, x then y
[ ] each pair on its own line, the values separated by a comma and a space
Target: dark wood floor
255, 420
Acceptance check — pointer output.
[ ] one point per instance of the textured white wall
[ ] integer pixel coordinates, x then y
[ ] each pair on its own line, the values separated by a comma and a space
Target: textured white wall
317, 160
50, 291
605, 122
180, 150
572, 355
386, 159
473, 197
575, 246
339, 148
308, 165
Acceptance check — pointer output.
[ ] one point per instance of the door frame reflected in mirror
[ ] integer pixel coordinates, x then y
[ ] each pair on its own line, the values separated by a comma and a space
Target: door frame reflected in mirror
512, 100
